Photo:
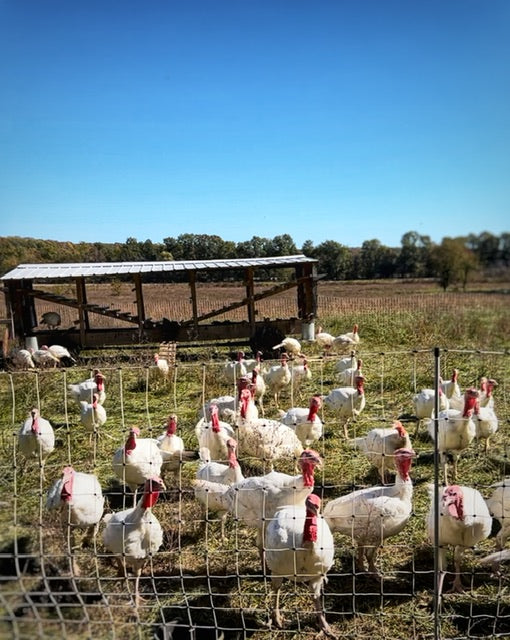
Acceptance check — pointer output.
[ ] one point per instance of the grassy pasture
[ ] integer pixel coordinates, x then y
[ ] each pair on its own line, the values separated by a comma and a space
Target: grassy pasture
198, 580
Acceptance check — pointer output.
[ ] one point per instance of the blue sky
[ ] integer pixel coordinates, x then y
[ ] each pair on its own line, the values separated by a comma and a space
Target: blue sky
344, 120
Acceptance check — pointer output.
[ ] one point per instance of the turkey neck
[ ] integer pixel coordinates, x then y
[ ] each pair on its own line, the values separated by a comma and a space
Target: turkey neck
130, 445
66, 493
149, 498
311, 528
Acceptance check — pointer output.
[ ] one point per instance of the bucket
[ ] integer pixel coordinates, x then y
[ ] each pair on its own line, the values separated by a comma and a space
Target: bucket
308, 331
31, 343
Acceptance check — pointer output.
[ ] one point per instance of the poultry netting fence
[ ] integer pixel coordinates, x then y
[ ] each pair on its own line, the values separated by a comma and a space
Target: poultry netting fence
203, 576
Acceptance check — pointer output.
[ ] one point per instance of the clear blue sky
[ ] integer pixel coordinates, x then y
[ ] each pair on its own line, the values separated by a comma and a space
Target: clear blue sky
344, 120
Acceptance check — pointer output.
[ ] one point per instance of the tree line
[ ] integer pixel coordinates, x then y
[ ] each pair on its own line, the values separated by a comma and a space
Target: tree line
452, 261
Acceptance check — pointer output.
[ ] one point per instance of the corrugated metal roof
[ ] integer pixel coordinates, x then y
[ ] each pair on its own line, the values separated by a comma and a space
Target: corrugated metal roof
84, 269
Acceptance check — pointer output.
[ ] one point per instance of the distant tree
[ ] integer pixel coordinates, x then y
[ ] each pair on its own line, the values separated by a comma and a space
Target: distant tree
375, 260
282, 246
334, 260
414, 258
307, 248
453, 262
504, 249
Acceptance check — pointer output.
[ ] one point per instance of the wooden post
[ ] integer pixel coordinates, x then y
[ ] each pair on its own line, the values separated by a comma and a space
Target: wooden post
83, 316
140, 306
250, 292
307, 292
192, 276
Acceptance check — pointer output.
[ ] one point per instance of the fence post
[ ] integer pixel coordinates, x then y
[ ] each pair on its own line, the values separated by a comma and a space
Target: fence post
437, 594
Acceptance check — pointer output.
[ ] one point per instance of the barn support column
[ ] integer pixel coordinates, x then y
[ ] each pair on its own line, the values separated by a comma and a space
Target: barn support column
307, 299
83, 316
250, 301
140, 306
22, 308
192, 276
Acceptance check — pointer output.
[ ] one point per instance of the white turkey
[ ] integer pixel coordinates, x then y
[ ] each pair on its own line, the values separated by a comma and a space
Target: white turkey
452, 391
83, 391
486, 423
346, 402
234, 369
172, 449
22, 359
379, 446
135, 534
217, 472
255, 500
372, 515
347, 340
253, 363
345, 363
259, 387
278, 377
464, 521
213, 434
51, 319
300, 374
499, 506
79, 499
486, 392
263, 439
305, 421
61, 353
227, 408
292, 347
159, 372
424, 403
324, 340
456, 430
44, 358
137, 460
299, 546
92, 415
36, 438
347, 377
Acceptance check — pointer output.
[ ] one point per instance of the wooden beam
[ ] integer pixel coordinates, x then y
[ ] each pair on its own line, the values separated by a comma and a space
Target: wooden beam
192, 277
236, 305
250, 293
83, 317
140, 306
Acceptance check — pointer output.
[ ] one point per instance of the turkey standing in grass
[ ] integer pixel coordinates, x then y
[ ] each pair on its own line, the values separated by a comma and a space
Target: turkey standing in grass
44, 358
171, 447
324, 340
61, 353
83, 391
278, 377
464, 521
370, 516
486, 392
263, 439
347, 377
305, 421
92, 415
255, 500
346, 340
299, 545
499, 506
79, 498
136, 461
213, 434
452, 391
219, 473
36, 438
486, 423
22, 359
133, 535
347, 402
456, 430
379, 446
291, 346
234, 369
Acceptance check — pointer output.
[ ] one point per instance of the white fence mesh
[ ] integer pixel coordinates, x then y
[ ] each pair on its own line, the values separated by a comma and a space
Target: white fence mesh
198, 585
